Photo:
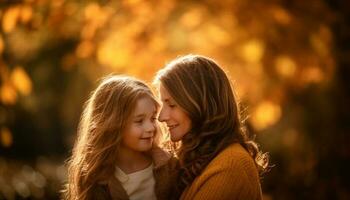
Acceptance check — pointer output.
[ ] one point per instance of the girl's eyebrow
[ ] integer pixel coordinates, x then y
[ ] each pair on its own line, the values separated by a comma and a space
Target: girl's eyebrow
143, 114
140, 115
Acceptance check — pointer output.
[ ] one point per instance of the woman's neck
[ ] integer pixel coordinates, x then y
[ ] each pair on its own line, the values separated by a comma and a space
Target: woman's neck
130, 161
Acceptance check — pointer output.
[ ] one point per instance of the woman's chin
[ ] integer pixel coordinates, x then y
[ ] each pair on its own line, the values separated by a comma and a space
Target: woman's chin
174, 138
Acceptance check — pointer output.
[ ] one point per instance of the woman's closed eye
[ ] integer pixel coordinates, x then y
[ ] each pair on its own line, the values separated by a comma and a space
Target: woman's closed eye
171, 105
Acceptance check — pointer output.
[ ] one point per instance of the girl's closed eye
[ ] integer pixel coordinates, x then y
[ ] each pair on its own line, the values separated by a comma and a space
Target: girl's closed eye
138, 121
153, 119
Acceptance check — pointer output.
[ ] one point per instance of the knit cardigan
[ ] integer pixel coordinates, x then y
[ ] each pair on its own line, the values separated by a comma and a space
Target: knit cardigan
231, 175
112, 189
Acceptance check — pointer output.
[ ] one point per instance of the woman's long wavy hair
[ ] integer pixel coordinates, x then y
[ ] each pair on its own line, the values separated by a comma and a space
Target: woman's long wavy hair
202, 89
103, 120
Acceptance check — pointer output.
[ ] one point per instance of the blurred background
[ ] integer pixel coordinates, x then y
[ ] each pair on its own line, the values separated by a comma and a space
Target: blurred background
289, 61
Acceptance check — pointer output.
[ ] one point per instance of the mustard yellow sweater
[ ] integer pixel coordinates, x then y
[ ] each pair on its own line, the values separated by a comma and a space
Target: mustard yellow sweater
231, 175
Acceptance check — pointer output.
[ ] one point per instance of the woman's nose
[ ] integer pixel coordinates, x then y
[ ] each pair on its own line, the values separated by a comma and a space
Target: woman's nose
163, 116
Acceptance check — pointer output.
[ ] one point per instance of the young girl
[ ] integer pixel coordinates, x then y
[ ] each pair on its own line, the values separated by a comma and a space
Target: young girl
111, 156
216, 159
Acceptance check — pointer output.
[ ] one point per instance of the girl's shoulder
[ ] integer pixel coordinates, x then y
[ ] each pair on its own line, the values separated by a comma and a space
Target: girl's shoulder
110, 189
101, 192
165, 177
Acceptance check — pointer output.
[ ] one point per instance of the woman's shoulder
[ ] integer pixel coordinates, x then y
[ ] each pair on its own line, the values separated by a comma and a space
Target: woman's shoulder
232, 173
232, 163
233, 156
235, 149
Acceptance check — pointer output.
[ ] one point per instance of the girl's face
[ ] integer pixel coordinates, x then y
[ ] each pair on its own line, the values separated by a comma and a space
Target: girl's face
142, 126
174, 116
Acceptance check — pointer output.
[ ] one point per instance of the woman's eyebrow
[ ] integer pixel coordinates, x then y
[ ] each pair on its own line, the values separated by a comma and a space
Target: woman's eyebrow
167, 100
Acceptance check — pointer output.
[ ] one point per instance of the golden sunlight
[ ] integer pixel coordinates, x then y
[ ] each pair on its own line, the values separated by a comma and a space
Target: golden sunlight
6, 137
285, 66
10, 18
265, 115
21, 80
8, 94
253, 50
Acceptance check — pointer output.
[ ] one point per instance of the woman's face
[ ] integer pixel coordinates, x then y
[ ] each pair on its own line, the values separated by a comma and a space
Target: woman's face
177, 120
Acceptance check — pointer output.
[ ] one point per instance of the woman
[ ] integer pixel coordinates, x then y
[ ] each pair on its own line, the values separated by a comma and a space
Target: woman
216, 158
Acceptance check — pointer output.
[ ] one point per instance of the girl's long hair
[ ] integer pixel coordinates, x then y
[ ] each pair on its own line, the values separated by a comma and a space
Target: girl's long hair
202, 89
102, 122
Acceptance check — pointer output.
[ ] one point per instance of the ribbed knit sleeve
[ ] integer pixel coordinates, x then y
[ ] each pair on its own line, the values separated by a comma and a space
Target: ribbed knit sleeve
230, 176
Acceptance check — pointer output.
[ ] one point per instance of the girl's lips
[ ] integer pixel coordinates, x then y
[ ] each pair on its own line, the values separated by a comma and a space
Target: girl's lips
146, 138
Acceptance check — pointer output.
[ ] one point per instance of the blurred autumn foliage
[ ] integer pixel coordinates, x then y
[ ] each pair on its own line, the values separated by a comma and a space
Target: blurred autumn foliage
289, 61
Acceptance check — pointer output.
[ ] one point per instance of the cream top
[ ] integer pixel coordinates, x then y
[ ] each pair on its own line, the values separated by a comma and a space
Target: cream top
138, 185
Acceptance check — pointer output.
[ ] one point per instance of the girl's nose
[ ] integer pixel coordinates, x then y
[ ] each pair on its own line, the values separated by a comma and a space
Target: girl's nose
151, 127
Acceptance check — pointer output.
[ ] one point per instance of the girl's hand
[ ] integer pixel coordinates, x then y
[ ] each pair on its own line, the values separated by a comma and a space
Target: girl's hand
160, 156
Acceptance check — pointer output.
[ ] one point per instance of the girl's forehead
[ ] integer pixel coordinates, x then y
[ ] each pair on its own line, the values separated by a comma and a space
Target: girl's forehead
145, 105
